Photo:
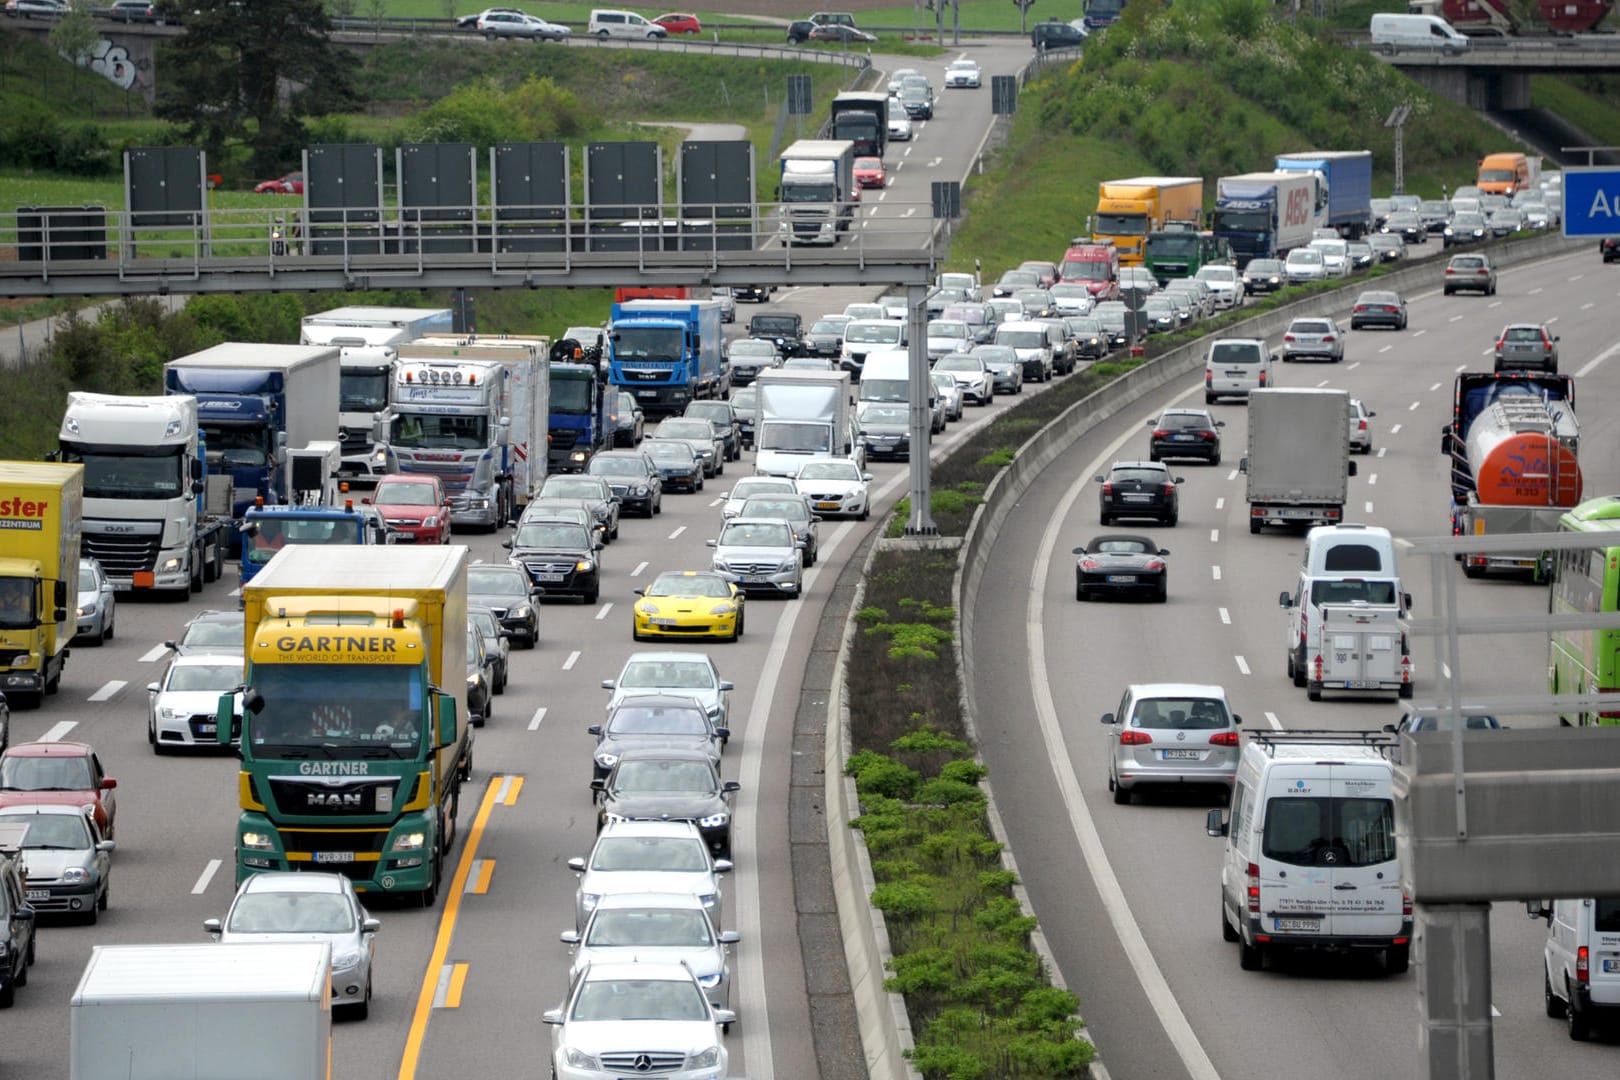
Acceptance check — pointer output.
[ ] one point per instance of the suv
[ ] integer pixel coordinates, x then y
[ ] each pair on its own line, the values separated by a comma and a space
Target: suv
609, 22
1137, 489
1171, 734
1313, 339
784, 329
1527, 345
559, 557
16, 916
1186, 433
1473, 271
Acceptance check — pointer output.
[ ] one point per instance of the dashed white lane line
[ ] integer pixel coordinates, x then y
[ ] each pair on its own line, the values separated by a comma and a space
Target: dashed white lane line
537, 719
59, 731
108, 690
1385, 348
1395, 429
1455, 318
1366, 507
1445, 669
1588, 306
1323, 383
1372, 478
1433, 388
235, 592
1214, 536
1486, 352
1216, 571
1537, 290
1587, 368
677, 533
1276, 724
1495, 1011
716, 502
1353, 365
1242, 664
1226, 617
1220, 504
602, 614
909, 211
1494, 303
640, 566
1381, 450
1414, 406
1576, 277
205, 877
1419, 333
1460, 368
573, 658
154, 654
1233, 475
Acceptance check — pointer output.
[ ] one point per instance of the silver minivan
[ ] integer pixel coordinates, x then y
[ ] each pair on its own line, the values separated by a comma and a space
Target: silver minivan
1236, 366
609, 22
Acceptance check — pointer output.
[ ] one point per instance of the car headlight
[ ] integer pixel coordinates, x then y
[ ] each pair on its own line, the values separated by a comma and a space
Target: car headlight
710, 981
83, 611
1448, 230
380, 457
589, 900
521, 611
169, 566
171, 714
720, 566
579, 1059
724, 609
430, 522
640, 490
256, 841
75, 875
411, 841
584, 566
345, 960
478, 504
648, 609
713, 821
705, 1059
607, 761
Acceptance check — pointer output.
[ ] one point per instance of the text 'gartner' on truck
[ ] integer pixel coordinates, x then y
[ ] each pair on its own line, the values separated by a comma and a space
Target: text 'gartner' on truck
817, 190
39, 558
666, 353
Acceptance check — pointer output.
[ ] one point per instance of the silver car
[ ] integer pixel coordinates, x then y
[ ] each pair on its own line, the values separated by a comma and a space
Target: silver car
950, 395
216, 632
706, 442
1361, 433
663, 927
970, 373
306, 906
749, 486
795, 510
760, 556
596, 492
1313, 339
686, 674
97, 604
644, 857
68, 863
1171, 734
1304, 264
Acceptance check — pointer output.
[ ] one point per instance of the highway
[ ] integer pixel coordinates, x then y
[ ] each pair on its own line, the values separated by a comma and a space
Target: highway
459, 988
1127, 895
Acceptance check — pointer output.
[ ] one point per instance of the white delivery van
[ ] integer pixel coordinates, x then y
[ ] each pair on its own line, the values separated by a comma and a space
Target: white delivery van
1582, 961
1235, 366
1310, 861
1392, 32
862, 336
1347, 564
608, 22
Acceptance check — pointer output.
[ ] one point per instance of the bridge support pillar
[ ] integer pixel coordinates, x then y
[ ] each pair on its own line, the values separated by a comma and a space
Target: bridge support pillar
1448, 82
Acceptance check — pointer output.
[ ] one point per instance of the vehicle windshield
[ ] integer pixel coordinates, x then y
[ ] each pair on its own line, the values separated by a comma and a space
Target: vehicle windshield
486, 623
800, 191
964, 282
214, 632
1180, 714
602, 465
19, 773
1217, 273
1021, 339
332, 710
683, 585
552, 537
677, 854
684, 429
667, 450
571, 393
363, 391
1120, 224
872, 333
1242, 221
641, 720
751, 347
944, 328
216, 677
650, 928
830, 470
1352, 590
87, 579
1333, 831
130, 473
793, 509
417, 431
1271, 266
497, 581
795, 437
826, 326
290, 913
663, 777
1086, 269
647, 343
1304, 257
640, 999
959, 363
1497, 176
1468, 219
388, 494
1178, 245
271, 534
564, 487
760, 534
883, 414
54, 832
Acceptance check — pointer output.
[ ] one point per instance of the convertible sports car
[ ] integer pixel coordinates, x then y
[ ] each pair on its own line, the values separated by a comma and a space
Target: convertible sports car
688, 604
1122, 565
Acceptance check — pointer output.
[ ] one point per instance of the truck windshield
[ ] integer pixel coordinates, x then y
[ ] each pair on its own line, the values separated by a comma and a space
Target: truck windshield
128, 474
229, 446
884, 390
647, 343
1337, 832
1497, 176
415, 431
1087, 270
16, 604
570, 394
1120, 225
363, 391
1348, 592
1242, 221
796, 438
809, 193
324, 710
275, 533
1173, 245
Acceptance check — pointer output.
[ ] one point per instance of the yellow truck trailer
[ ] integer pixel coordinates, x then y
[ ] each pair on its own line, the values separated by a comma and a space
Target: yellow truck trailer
1127, 210
41, 517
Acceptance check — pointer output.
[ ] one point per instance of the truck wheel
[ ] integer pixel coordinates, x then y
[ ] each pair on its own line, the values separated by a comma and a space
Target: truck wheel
1580, 1025
196, 569
1297, 668
1313, 691
1250, 958
430, 895
1254, 525
1406, 691
1397, 959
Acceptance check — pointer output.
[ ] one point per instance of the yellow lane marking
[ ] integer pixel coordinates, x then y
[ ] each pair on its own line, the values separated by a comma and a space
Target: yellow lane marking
515, 786
483, 870
441, 941
458, 979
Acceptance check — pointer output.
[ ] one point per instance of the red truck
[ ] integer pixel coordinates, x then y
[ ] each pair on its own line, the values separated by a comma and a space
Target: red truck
1096, 266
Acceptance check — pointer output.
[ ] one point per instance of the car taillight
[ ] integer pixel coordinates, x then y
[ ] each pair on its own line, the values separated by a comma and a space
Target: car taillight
1361, 425
1169, 489
1359, 307
1088, 564
1224, 738
1583, 964
1161, 433
1546, 342
1449, 270
1108, 489
1134, 738
1253, 874
1206, 434
1317, 667
1328, 338
1288, 337
1155, 564
1482, 270
1391, 310
1501, 344
1263, 379
1209, 377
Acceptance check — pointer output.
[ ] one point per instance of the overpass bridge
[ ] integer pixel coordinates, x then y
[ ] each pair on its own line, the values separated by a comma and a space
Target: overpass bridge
1494, 74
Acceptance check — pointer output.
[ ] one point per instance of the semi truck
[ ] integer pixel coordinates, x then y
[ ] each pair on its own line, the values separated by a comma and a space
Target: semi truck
1298, 461
666, 354
584, 414
354, 736
1182, 252
158, 508
817, 190
1264, 215
41, 507
474, 411
1127, 210
1514, 444
863, 119
260, 1011
801, 414
1346, 176
367, 338
253, 402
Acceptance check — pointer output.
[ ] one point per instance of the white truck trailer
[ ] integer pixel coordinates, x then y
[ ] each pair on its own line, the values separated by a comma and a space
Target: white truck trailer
802, 414
1298, 465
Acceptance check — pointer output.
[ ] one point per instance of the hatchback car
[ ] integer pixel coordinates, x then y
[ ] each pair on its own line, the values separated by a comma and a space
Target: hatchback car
62, 772
285, 906
1186, 433
870, 173
17, 918
978, 383
182, 708
1521, 346
835, 486
656, 927
760, 556
1304, 265
1006, 370
1505, 222
290, 184
793, 509
595, 491
480, 674
97, 605
670, 785
1379, 307
67, 862
1138, 489
1121, 565
1335, 256
950, 397
657, 720
508, 592
688, 604
561, 559
648, 856
678, 23
634, 478
1472, 272
615, 1012
211, 632
677, 463
1264, 276
1361, 434
1313, 339
133, 11
414, 506
690, 675
749, 486
1173, 735
724, 419
745, 403
885, 427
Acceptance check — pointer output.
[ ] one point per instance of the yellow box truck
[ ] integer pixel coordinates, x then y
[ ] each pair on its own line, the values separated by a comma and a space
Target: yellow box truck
1127, 210
353, 719
41, 517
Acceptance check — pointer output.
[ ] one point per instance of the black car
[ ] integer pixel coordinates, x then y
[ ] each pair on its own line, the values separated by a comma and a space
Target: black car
1121, 565
1609, 248
678, 464
745, 403
756, 294
508, 592
1379, 307
1138, 489
1092, 341
1186, 433
799, 30
16, 922
784, 329
1407, 225
885, 429
632, 423
1467, 227
1056, 35
655, 722
1264, 276
724, 419
559, 558
826, 336
670, 785
634, 478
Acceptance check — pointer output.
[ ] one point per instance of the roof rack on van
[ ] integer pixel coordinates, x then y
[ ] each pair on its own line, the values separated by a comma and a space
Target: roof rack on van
1379, 740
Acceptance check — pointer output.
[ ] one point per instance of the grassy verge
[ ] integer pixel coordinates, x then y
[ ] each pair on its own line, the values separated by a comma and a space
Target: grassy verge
1586, 101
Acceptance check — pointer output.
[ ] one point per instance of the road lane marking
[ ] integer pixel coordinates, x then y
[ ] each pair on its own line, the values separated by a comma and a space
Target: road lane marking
602, 614
934, 163
447, 990
677, 533
1214, 536
510, 790
1366, 507
478, 879
909, 211
1353, 366
1323, 383
108, 690
1233, 475
1385, 348
1537, 290
1414, 406
1372, 478
1276, 724
1486, 352
717, 502
1220, 503
1588, 306
154, 654
235, 592
1216, 570
1445, 669
537, 719
1494, 303
640, 566
1395, 429
1460, 368
59, 731
1433, 388
205, 877
1577, 277
573, 658
1419, 333
1495, 1011
1226, 616
1243, 665
1456, 318
1381, 450
1588, 367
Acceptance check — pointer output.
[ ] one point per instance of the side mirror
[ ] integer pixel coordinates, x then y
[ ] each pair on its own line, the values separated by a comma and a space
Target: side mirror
608, 684
151, 688
1153, 422
729, 937
723, 866
371, 926
1222, 423
636, 592
1237, 721
598, 785
1109, 718
1539, 909
108, 783
445, 707
597, 545
551, 1016
1392, 729
1215, 823
1243, 465
594, 729
252, 701
214, 927
726, 684
106, 845
1097, 479
1284, 599
711, 543
507, 544
730, 786
577, 864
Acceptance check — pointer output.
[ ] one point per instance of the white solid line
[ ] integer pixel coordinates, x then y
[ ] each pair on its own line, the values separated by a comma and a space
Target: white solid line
442, 990
537, 719
1216, 571
1586, 369
108, 690
1220, 504
1372, 478
1243, 665
602, 614
205, 877
154, 654
1226, 617
573, 658
640, 566
1433, 388
1395, 429
677, 533
58, 731
1276, 724
1214, 536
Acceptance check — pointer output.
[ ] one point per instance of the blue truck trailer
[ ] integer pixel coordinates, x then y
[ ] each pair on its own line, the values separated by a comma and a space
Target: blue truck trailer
1348, 176
666, 353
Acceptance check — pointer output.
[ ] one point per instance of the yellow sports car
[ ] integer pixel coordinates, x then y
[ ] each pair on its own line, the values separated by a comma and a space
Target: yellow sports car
687, 604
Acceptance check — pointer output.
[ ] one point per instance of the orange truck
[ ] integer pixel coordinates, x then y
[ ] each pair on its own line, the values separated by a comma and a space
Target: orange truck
1127, 210
1507, 173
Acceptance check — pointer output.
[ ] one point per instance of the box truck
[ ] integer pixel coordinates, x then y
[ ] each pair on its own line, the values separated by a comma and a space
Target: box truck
41, 507
1298, 465
802, 414
1127, 210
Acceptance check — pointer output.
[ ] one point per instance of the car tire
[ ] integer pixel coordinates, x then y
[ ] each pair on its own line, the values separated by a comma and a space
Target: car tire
1397, 959
1227, 932
91, 916
1163, 595
1254, 526
1313, 691
105, 898
1209, 399
1406, 691
108, 636
592, 596
636, 635
363, 1010
489, 37
1298, 668
1580, 1025
8, 992
1250, 957
866, 512
1216, 460
1153, 455
1170, 521
1104, 519
1122, 795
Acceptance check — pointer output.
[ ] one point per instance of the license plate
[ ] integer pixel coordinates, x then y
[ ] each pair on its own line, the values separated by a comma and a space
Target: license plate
334, 856
1181, 438
207, 729
553, 577
1181, 755
1608, 965
1122, 579
647, 393
1138, 498
39, 894
826, 506
1310, 925
1360, 684
665, 622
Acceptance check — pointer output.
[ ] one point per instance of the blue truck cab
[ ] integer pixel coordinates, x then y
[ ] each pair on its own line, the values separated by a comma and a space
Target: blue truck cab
583, 416
666, 353
267, 529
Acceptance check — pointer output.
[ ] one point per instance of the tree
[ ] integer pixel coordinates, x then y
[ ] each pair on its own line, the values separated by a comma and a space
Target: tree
1023, 14
246, 71
74, 35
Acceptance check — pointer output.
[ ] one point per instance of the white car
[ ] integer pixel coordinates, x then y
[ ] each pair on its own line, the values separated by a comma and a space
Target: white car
660, 927
976, 380
648, 856
1361, 434
835, 486
683, 674
182, 707
1335, 256
898, 79
750, 486
1304, 264
617, 1014
963, 73
950, 394
899, 123
1225, 282
861, 310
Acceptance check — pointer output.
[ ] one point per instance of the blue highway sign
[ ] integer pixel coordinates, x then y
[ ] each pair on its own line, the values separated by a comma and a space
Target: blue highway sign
1592, 202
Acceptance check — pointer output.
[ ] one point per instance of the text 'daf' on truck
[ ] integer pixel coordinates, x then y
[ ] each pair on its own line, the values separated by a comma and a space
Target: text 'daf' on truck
1298, 465
666, 353
1513, 442
817, 191
40, 512
354, 739
1127, 210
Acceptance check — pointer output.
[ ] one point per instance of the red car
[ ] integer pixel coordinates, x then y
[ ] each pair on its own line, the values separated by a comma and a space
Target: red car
869, 172
291, 184
679, 24
415, 507
58, 773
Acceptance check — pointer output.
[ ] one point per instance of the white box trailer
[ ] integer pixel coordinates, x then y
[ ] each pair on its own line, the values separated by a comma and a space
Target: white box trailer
1298, 465
203, 1012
